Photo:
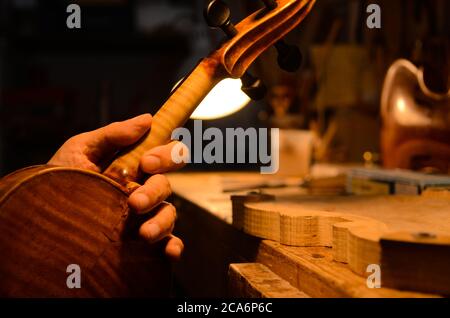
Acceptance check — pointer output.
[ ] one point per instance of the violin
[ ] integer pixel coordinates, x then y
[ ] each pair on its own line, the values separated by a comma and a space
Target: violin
53, 218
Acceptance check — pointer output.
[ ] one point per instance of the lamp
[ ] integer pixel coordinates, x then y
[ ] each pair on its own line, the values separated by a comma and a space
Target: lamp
224, 99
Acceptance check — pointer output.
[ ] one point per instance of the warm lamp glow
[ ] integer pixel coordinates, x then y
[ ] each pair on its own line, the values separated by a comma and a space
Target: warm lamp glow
224, 99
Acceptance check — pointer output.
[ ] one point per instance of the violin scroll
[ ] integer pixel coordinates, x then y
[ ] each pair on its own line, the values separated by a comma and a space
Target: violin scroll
256, 33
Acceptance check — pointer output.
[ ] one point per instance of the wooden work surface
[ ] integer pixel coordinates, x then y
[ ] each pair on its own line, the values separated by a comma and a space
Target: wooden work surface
212, 244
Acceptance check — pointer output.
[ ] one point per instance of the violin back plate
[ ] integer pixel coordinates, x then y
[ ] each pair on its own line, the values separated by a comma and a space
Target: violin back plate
52, 217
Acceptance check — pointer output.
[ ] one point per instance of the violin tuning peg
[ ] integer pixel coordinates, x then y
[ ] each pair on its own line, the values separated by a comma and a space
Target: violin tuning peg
270, 4
289, 56
217, 15
253, 87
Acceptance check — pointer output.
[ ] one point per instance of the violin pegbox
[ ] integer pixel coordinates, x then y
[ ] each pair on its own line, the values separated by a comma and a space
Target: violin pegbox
256, 33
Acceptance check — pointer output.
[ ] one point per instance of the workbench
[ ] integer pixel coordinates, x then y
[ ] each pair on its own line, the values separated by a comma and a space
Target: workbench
220, 260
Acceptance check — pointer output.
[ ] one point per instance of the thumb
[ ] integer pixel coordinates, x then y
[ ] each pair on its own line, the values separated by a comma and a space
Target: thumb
115, 136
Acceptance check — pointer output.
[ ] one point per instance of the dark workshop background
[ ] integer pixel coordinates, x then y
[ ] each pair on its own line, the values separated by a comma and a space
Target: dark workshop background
56, 82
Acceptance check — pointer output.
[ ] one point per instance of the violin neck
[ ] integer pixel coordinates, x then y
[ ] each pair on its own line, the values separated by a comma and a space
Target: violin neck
173, 114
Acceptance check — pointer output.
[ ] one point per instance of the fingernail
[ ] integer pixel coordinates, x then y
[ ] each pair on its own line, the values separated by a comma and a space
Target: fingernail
153, 231
151, 163
142, 201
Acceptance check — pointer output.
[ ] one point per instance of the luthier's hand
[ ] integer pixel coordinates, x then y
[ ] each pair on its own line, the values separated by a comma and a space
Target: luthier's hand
89, 150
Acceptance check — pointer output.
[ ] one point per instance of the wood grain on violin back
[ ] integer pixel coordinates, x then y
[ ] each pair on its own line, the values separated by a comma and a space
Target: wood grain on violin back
16, 178
55, 217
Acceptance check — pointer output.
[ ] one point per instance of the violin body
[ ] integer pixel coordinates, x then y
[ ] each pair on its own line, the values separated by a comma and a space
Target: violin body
52, 217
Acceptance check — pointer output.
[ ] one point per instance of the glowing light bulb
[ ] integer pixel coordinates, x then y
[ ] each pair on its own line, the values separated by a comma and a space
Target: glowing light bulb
224, 99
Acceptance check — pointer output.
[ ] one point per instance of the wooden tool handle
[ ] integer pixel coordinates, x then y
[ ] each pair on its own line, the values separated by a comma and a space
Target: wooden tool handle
173, 114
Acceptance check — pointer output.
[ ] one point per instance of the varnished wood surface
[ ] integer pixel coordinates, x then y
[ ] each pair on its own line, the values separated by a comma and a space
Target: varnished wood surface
53, 217
260, 31
312, 270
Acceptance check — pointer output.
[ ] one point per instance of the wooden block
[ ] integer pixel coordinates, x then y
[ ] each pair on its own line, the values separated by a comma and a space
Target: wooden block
254, 280
313, 270
419, 262
354, 225
238, 206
